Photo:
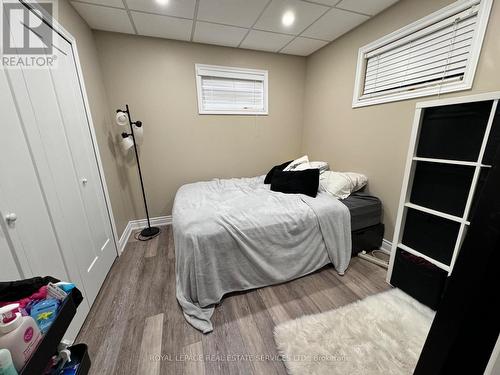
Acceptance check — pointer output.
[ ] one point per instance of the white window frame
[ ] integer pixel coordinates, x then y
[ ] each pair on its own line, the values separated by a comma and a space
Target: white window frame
202, 70
446, 87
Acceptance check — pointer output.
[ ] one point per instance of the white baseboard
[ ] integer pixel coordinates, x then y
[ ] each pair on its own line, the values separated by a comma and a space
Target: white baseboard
139, 224
167, 220
386, 246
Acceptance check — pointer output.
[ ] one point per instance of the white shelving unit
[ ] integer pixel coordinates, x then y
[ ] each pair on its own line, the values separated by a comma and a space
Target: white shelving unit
471, 169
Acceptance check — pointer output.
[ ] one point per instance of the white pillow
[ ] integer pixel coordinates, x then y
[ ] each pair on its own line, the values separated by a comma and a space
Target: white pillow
340, 184
358, 180
321, 165
294, 164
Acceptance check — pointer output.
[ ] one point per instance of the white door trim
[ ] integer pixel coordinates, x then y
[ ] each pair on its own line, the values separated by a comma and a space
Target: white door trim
56, 26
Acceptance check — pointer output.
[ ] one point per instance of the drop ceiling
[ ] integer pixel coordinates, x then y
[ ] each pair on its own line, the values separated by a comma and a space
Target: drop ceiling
252, 24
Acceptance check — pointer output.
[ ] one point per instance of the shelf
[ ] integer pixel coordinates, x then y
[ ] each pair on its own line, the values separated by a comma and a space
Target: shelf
454, 132
444, 267
437, 213
450, 155
442, 187
431, 235
453, 162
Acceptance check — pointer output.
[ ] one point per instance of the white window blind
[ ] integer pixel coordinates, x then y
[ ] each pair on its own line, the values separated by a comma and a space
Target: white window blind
424, 57
225, 90
438, 52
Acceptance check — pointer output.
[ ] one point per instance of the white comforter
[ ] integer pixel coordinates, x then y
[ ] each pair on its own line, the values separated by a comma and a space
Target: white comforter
237, 234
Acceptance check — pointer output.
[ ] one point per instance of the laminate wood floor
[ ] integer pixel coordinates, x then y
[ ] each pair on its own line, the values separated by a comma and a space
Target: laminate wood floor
136, 326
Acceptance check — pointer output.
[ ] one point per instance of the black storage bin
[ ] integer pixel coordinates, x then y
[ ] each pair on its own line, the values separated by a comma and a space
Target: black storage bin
49, 342
367, 239
80, 354
419, 278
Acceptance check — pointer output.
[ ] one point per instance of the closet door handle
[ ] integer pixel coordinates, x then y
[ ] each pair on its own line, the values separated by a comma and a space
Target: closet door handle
84, 181
11, 218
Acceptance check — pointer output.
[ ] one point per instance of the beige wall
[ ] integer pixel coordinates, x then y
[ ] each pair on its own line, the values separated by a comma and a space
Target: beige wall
114, 168
310, 111
374, 140
156, 77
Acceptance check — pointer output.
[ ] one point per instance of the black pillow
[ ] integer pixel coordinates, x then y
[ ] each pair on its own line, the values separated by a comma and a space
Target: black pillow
280, 167
296, 182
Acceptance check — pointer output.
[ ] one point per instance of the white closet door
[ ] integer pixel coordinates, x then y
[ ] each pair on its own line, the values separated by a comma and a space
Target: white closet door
67, 167
8, 267
32, 234
29, 246
76, 126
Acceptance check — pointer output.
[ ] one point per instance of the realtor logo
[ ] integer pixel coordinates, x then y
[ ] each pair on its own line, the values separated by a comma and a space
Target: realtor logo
27, 38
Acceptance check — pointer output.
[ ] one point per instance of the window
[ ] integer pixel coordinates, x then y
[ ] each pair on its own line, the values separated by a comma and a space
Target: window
434, 55
231, 91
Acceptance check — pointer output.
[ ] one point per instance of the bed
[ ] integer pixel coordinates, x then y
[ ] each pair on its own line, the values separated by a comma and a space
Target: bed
237, 234
367, 231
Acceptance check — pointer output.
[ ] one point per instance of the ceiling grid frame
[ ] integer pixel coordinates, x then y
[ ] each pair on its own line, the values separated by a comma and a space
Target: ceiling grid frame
129, 14
195, 19
302, 48
303, 30
253, 25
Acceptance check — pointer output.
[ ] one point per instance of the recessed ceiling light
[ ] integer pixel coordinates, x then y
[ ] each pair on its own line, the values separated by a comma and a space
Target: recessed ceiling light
288, 18
162, 2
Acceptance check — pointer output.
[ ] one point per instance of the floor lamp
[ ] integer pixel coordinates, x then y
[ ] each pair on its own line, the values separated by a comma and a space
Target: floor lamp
123, 118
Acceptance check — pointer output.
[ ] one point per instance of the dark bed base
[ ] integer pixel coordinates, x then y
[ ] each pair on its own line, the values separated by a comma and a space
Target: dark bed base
369, 238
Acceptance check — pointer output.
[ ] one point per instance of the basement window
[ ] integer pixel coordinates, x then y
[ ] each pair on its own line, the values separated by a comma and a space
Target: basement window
231, 91
434, 55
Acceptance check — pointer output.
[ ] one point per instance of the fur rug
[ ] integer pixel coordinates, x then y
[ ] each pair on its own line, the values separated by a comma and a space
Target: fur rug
382, 334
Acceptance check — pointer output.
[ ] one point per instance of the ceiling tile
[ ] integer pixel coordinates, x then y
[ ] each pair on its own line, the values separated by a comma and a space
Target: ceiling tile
371, 7
104, 18
264, 41
303, 46
176, 8
333, 24
111, 3
242, 13
331, 3
222, 35
305, 14
162, 26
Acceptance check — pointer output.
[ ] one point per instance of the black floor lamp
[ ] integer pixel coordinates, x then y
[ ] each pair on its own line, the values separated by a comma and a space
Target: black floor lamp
129, 139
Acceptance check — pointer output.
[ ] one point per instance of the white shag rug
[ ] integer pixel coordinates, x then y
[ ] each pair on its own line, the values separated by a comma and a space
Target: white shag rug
381, 334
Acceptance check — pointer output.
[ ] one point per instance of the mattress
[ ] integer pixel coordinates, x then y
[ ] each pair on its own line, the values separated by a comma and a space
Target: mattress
365, 209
